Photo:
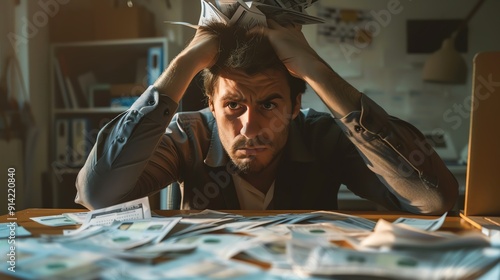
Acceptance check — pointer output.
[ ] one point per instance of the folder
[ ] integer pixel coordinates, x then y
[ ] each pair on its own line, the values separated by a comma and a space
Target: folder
62, 141
80, 147
154, 64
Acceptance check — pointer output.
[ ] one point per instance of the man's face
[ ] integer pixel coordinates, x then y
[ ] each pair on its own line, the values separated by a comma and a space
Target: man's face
253, 114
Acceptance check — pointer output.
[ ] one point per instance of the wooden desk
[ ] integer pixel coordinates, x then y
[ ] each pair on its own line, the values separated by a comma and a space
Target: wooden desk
452, 223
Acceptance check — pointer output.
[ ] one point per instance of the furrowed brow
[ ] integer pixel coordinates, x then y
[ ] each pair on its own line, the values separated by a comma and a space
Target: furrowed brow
232, 97
270, 97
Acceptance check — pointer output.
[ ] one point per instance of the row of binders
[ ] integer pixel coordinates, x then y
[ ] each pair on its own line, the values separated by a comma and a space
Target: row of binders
73, 141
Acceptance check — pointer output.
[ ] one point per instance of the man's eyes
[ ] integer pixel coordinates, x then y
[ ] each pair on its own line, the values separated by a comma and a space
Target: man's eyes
266, 105
233, 105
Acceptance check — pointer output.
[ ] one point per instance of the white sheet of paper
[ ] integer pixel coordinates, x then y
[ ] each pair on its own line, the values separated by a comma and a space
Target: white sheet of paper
132, 210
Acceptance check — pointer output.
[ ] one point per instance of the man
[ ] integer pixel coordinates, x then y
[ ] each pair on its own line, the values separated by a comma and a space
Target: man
254, 148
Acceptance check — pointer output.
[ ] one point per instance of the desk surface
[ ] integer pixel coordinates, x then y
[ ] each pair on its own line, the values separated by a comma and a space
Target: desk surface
452, 223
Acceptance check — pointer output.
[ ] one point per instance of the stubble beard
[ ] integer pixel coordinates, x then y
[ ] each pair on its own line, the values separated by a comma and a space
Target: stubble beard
244, 167
249, 165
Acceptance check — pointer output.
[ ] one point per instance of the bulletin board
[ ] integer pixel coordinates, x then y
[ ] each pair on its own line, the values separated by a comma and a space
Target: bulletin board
342, 25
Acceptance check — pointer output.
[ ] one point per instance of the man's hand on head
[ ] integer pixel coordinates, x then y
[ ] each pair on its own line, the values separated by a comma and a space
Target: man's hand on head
200, 53
203, 49
290, 45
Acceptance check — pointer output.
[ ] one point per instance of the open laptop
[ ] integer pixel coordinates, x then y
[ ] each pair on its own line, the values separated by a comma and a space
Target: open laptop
482, 189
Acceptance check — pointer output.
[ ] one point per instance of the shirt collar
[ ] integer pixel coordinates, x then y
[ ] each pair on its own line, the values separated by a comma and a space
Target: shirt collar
295, 149
216, 155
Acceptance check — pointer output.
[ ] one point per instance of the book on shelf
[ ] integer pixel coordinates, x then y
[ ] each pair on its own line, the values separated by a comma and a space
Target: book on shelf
61, 83
71, 92
73, 97
86, 81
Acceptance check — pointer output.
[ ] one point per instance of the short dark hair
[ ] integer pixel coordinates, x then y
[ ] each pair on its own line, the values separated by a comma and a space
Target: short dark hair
250, 52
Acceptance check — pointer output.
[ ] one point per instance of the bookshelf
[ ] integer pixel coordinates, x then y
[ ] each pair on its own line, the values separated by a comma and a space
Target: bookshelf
92, 82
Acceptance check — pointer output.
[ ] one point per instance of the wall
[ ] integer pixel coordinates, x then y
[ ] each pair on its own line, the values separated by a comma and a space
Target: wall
385, 72
27, 36
11, 150
186, 11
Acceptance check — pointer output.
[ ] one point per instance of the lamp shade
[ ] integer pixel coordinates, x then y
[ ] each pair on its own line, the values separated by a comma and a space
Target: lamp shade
446, 65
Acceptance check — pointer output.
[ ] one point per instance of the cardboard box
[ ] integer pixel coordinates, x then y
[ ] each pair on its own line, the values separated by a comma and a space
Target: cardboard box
72, 26
123, 23
107, 4
101, 21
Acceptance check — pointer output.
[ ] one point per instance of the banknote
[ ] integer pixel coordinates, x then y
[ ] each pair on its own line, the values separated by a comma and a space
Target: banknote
249, 14
54, 220
124, 235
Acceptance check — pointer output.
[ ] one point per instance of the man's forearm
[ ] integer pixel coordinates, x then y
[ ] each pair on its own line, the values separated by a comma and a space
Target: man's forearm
174, 81
398, 153
201, 53
122, 152
117, 167
421, 184
125, 145
337, 94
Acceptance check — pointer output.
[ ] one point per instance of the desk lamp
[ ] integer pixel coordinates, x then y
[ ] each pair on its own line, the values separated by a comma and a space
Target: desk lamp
447, 65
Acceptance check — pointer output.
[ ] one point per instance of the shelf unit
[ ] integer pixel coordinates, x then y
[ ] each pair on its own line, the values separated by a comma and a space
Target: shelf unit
112, 62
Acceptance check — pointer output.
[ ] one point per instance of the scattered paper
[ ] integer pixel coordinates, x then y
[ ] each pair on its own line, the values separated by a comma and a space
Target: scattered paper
133, 210
423, 224
390, 235
197, 266
12, 229
127, 234
222, 245
78, 217
125, 242
54, 221
328, 260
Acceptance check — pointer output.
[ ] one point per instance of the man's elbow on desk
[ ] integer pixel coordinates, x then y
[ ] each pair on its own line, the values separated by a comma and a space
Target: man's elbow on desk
93, 194
438, 203
84, 194
448, 195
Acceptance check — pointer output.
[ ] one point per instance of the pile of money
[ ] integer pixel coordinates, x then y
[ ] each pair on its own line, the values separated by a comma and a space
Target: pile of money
253, 13
128, 241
